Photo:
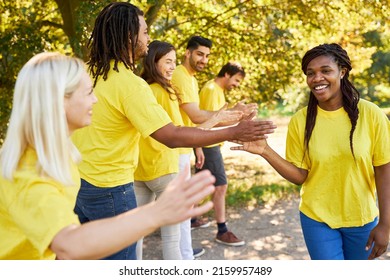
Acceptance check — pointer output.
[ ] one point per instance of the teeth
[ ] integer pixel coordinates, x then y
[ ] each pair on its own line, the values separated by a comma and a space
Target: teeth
320, 87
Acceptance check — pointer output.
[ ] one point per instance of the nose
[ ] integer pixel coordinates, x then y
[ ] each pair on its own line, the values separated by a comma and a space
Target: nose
94, 99
317, 77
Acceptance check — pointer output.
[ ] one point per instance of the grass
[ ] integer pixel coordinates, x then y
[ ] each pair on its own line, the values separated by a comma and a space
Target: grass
255, 183
258, 195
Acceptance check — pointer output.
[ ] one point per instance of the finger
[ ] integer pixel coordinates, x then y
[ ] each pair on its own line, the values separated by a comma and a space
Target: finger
198, 181
262, 131
369, 242
238, 148
199, 210
257, 137
251, 115
201, 194
237, 142
265, 123
374, 253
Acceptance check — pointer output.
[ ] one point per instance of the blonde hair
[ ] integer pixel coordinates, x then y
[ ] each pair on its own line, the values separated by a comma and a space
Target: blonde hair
38, 116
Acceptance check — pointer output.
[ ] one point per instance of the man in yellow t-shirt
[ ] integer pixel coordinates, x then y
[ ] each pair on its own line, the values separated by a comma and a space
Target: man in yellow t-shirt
195, 60
184, 81
126, 110
212, 97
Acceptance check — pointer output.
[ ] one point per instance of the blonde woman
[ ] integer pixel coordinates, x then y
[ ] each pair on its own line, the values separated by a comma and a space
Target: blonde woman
39, 179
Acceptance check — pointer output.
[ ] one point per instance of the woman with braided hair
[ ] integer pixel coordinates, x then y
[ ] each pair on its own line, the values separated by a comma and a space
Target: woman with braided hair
338, 149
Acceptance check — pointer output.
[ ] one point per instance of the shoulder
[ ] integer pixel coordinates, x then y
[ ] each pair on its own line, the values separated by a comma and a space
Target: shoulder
370, 110
156, 87
367, 105
180, 73
300, 114
210, 85
298, 120
158, 90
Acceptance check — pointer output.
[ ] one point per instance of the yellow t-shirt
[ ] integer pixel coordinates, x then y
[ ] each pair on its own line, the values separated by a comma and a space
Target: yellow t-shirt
212, 98
125, 109
339, 191
156, 159
33, 209
187, 86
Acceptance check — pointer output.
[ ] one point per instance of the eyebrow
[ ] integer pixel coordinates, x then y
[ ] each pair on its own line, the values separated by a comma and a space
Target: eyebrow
324, 66
200, 52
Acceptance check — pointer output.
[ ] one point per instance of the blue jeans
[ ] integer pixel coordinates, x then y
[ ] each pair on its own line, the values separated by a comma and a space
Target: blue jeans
325, 243
94, 203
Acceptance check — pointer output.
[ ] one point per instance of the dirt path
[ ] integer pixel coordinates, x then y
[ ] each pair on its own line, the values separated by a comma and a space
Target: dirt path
271, 232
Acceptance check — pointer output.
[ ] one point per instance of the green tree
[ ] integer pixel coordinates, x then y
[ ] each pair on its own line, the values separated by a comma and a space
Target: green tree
268, 37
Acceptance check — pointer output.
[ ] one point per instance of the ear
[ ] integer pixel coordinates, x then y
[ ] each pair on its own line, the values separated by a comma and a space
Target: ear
343, 72
187, 53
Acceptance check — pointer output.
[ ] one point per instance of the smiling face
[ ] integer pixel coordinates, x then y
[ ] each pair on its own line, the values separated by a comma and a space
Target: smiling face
78, 105
323, 76
198, 58
233, 81
167, 64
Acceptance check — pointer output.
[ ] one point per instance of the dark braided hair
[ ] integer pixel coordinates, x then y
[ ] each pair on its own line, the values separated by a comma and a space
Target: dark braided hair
114, 36
350, 94
150, 73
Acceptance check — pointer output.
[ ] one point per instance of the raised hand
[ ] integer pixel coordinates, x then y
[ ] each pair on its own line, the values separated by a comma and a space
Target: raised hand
247, 109
177, 202
252, 130
223, 116
254, 147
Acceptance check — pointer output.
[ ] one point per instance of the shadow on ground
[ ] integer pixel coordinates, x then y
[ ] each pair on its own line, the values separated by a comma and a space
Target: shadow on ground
271, 233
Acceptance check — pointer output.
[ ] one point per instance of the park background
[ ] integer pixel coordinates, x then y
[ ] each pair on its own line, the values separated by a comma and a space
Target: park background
268, 37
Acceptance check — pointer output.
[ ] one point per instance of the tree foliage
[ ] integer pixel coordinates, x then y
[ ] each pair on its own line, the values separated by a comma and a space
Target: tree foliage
268, 37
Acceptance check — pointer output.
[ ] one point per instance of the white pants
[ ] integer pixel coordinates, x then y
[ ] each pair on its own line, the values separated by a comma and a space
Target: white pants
146, 192
185, 227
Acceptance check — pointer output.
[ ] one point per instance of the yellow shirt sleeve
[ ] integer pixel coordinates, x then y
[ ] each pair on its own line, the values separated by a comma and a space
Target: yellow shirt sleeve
33, 209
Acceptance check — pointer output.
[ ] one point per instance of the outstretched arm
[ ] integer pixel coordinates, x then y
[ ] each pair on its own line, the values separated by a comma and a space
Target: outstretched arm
379, 236
174, 136
101, 238
222, 117
286, 169
208, 119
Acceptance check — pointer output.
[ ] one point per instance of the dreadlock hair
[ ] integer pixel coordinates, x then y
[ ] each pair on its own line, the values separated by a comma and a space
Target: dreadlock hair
231, 68
350, 94
150, 73
114, 36
195, 41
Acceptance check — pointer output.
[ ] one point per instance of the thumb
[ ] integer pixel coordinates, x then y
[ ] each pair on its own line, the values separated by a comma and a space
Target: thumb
369, 242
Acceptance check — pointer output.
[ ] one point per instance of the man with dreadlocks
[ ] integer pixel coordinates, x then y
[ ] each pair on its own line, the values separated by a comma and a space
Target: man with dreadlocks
127, 109
338, 148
